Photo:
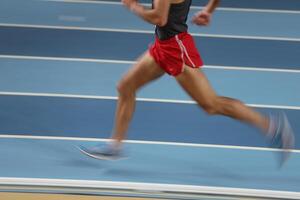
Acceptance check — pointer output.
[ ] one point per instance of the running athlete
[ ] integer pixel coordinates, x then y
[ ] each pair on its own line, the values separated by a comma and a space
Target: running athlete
174, 52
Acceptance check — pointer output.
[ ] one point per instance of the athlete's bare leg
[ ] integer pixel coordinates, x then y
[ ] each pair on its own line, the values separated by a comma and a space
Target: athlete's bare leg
143, 72
278, 129
195, 83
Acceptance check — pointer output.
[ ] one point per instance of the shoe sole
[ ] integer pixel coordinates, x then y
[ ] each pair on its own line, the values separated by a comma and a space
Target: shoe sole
111, 158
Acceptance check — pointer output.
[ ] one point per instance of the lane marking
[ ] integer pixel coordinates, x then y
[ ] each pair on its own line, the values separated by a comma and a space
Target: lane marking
138, 99
146, 32
133, 62
162, 189
71, 18
31, 137
3, 93
192, 7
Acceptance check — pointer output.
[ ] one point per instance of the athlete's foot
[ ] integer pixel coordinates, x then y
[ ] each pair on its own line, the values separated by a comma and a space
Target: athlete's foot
282, 136
104, 152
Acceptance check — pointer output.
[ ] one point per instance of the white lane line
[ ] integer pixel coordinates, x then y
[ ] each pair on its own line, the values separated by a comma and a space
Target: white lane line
146, 32
192, 7
46, 58
28, 136
67, 59
164, 190
71, 18
4, 93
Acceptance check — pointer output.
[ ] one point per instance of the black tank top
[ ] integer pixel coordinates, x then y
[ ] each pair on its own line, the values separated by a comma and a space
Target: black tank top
177, 18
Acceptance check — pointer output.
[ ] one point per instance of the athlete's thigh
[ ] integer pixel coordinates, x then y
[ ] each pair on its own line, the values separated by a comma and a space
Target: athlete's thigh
195, 83
144, 71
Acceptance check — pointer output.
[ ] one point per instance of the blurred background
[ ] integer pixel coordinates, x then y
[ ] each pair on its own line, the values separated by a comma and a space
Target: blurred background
60, 61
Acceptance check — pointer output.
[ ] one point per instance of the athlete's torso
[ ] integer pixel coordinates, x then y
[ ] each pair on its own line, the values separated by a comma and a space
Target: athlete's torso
177, 18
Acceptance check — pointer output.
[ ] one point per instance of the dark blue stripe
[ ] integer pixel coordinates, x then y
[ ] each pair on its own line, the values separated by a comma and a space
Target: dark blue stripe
255, 4
128, 46
69, 117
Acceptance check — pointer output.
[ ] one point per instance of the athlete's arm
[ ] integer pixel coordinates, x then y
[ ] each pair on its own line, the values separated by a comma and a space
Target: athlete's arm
158, 15
203, 17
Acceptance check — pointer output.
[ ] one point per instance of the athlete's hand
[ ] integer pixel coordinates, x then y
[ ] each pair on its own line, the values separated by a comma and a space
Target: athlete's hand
129, 3
202, 18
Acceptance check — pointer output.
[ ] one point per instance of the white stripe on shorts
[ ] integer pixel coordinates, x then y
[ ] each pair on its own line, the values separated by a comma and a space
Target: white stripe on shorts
184, 51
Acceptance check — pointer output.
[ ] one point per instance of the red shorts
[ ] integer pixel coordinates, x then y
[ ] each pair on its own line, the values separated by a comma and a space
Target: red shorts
172, 54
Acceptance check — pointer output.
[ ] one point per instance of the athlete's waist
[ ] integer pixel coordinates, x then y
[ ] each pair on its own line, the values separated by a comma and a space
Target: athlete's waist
179, 36
170, 30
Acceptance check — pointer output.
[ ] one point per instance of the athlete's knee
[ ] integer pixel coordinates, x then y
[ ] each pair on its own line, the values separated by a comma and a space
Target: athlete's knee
229, 105
210, 110
211, 107
125, 88
222, 106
